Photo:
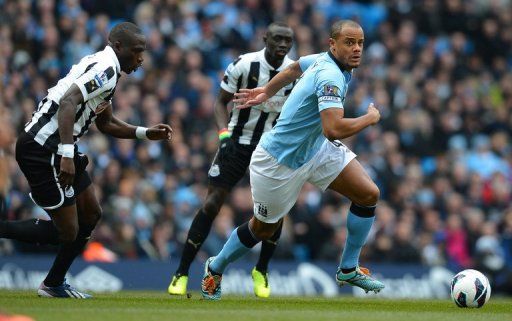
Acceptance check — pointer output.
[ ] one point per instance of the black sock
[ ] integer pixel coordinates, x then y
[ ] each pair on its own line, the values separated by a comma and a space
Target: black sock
66, 255
213, 272
246, 236
268, 248
197, 233
34, 231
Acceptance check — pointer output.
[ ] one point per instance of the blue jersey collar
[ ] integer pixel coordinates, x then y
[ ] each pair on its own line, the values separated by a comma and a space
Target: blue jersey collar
347, 74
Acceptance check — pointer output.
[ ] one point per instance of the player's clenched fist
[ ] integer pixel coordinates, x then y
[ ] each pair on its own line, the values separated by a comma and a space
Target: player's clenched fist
159, 132
374, 114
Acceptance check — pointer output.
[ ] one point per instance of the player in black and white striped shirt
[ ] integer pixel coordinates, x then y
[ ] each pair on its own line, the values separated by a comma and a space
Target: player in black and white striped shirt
47, 154
239, 134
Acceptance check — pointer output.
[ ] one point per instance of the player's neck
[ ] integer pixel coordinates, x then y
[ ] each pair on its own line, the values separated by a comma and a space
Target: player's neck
273, 61
340, 65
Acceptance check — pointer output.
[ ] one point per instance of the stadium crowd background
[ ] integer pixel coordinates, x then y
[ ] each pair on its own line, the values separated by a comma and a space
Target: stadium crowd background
439, 71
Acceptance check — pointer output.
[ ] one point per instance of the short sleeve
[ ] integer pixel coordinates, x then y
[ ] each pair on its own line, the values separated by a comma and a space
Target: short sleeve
329, 86
96, 81
306, 61
231, 76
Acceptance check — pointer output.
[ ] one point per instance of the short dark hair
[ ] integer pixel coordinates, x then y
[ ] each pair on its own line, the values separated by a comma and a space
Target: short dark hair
277, 24
122, 31
338, 26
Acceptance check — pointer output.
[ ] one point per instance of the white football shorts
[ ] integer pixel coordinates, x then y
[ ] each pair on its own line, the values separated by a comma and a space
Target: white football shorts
275, 187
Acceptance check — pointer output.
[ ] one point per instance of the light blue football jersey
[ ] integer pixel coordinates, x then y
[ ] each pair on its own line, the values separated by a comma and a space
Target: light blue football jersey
297, 136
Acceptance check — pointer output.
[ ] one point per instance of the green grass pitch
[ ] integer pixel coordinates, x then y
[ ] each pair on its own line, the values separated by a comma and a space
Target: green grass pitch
142, 306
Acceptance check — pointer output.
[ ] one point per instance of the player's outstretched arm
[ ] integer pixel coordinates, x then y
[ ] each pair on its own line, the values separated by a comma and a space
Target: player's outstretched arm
250, 97
334, 126
108, 124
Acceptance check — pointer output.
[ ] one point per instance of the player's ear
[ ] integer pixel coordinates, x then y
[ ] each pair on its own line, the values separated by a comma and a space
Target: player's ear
117, 45
332, 42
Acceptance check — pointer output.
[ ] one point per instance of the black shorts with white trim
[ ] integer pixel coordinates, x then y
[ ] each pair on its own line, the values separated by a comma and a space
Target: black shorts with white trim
41, 168
228, 172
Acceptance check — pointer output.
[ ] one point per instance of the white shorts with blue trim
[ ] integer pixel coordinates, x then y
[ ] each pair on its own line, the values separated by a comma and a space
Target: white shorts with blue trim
275, 187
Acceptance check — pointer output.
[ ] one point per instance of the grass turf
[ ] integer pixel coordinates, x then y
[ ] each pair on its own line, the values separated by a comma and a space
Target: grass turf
126, 306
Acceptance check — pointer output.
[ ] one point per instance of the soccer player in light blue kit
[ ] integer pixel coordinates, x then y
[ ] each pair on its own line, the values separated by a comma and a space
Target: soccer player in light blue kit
304, 147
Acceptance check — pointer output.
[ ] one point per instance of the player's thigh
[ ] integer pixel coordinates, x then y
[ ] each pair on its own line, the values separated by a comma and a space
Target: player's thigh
354, 183
89, 209
331, 160
275, 188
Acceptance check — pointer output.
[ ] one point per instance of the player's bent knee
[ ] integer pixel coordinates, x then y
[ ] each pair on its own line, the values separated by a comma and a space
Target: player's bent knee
264, 233
213, 203
69, 235
370, 197
373, 195
98, 213
211, 209
92, 216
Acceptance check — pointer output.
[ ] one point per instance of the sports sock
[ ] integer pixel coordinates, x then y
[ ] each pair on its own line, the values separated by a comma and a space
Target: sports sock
66, 255
268, 248
359, 222
198, 232
239, 243
34, 231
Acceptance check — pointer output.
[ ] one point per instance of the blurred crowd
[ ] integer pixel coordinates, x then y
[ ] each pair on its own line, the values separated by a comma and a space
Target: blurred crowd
439, 71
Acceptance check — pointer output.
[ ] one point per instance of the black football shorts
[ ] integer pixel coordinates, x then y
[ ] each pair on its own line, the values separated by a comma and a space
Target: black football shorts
232, 168
41, 168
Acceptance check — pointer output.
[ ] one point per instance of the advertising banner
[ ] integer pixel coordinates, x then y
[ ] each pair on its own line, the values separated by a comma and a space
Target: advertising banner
287, 278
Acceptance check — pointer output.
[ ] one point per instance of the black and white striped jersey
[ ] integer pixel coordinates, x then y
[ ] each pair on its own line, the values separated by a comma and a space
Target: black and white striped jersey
96, 75
252, 70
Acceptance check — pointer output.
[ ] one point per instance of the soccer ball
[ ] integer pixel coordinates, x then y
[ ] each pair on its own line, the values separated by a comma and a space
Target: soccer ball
470, 289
